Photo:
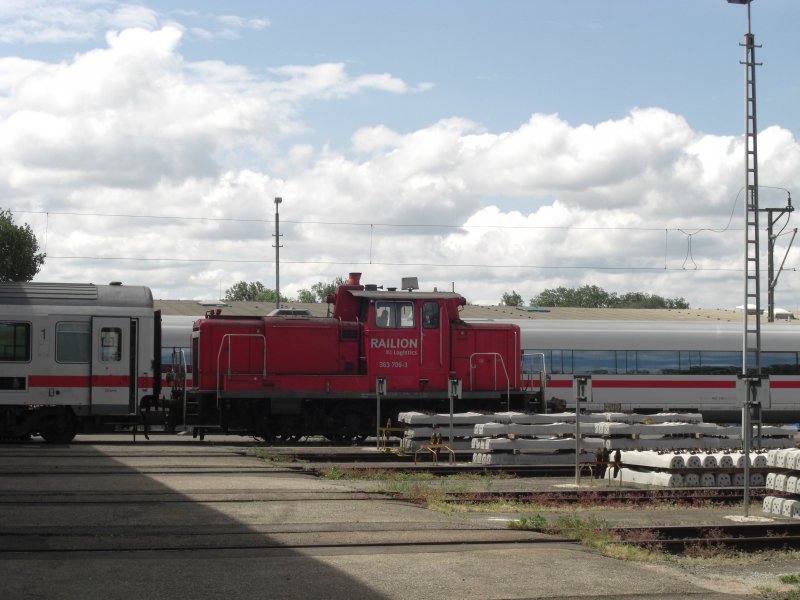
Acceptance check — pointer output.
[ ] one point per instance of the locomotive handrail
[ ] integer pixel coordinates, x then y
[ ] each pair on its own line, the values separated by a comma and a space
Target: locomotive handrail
527, 375
183, 363
219, 355
496, 356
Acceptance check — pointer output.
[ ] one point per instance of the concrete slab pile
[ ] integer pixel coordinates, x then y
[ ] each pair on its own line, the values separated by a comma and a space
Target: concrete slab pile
511, 438
785, 481
697, 469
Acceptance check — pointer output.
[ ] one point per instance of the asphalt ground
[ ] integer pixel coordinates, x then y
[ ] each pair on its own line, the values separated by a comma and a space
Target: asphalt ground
172, 517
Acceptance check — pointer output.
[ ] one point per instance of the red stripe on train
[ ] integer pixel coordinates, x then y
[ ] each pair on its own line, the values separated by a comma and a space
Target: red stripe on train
654, 383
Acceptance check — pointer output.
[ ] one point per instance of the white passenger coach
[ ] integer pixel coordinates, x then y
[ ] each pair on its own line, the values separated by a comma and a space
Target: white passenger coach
653, 366
72, 355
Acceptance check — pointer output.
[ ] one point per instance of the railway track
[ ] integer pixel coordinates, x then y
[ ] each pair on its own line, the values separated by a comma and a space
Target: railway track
621, 496
681, 539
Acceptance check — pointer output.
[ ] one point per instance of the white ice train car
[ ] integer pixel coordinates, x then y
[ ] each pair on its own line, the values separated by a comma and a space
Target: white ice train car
73, 356
652, 366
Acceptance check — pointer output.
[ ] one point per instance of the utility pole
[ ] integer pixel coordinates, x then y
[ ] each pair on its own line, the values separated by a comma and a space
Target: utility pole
277, 236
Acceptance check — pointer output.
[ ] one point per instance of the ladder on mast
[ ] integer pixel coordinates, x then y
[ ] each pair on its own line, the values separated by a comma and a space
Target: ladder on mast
752, 295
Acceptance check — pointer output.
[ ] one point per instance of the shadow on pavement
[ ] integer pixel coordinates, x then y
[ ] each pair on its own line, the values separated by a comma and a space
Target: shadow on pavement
78, 523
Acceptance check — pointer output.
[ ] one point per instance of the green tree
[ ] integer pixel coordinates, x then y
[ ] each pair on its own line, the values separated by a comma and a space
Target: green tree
20, 259
306, 296
253, 291
323, 289
588, 296
591, 296
511, 299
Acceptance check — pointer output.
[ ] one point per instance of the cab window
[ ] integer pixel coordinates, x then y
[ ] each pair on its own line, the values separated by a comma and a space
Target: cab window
394, 315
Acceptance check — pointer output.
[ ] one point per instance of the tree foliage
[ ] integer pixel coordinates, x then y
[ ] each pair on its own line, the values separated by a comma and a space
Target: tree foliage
306, 297
323, 289
591, 296
511, 299
588, 296
20, 259
644, 300
253, 291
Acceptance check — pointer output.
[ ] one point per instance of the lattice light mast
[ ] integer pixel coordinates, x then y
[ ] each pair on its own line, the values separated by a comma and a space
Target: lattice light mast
751, 334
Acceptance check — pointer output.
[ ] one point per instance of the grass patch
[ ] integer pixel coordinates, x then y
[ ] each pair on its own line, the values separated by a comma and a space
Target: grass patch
271, 457
352, 474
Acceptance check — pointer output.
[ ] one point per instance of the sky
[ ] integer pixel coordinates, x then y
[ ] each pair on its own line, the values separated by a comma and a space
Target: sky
478, 145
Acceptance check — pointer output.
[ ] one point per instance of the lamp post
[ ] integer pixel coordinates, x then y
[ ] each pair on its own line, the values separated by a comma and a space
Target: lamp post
277, 236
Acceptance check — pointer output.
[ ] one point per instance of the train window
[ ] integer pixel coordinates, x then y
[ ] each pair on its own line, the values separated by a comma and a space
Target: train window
15, 341
594, 361
394, 314
384, 314
626, 361
111, 344
73, 342
655, 362
13, 384
690, 362
430, 315
406, 314
779, 363
560, 361
720, 363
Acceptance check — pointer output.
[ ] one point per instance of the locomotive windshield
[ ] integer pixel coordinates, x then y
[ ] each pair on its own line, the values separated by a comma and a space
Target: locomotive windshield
394, 315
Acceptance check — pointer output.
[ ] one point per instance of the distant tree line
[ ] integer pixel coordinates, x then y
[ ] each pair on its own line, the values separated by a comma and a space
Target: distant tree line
592, 296
255, 291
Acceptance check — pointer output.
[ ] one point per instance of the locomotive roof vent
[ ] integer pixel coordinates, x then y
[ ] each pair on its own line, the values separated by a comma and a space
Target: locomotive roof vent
409, 283
115, 283
371, 287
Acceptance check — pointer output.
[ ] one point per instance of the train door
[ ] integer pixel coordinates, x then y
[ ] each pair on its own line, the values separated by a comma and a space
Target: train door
393, 345
434, 357
114, 365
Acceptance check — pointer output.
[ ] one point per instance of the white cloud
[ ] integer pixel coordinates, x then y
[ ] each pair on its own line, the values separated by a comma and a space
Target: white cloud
133, 128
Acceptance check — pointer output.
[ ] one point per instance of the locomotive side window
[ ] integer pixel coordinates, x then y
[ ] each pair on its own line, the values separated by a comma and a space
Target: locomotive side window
111, 344
15, 341
394, 315
430, 315
73, 342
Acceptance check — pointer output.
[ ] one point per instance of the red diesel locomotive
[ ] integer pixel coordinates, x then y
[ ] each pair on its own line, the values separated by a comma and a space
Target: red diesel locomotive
289, 376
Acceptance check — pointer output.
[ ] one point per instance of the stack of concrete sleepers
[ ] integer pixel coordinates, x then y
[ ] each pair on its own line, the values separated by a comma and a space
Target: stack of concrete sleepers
782, 481
689, 468
535, 439
683, 432
420, 427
